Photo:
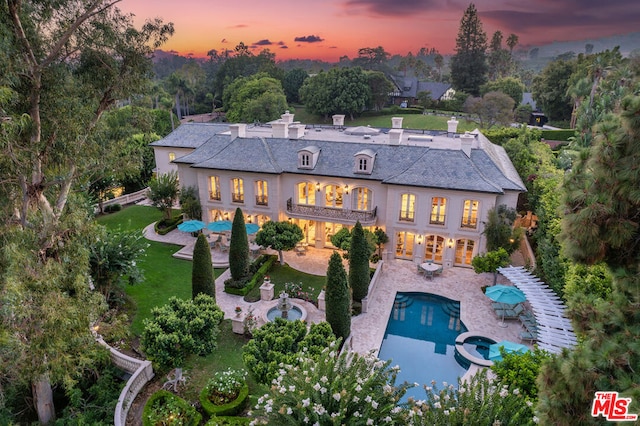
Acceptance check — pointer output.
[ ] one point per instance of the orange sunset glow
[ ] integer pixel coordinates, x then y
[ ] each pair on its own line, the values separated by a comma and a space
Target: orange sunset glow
327, 30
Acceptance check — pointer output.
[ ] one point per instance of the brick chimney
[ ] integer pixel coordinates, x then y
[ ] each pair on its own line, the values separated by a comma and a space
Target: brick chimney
280, 129
238, 130
452, 125
338, 120
287, 117
395, 136
465, 143
296, 131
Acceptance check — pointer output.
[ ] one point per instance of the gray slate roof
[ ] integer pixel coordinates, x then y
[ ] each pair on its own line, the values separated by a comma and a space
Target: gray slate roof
395, 164
191, 135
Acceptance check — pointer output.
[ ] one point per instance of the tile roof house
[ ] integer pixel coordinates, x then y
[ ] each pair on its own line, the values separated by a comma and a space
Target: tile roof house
429, 191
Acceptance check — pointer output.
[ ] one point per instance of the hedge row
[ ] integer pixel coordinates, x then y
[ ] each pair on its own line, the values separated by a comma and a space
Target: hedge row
266, 263
558, 135
228, 421
170, 225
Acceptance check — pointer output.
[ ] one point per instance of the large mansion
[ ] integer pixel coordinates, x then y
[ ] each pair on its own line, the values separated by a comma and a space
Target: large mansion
429, 191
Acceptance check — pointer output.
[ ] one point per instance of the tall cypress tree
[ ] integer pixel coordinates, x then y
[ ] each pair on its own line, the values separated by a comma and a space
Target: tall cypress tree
359, 263
338, 299
239, 247
469, 64
602, 224
202, 279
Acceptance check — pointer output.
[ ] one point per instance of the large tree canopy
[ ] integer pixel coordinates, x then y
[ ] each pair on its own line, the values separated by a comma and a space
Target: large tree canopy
468, 65
254, 98
338, 91
64, 63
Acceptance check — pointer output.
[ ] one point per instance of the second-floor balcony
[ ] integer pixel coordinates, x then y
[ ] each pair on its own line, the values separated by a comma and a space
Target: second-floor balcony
237, 198
304, 211
214, 195
262, 200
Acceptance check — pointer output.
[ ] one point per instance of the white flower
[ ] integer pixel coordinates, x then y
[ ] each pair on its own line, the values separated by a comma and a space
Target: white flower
323, 390
374, 404
358, 388
516, 391
292, 388
324, 379
306, 402
387, 419
529, 403
369, 421
319, 409
437, 405
356, 399
306, 419
336, 396
357, 414
317, 386
445, 384
504, 393
446, 412
536, 420
368, 398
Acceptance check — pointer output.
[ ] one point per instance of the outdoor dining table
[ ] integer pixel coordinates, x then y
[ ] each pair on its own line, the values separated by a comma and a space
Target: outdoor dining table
429, 268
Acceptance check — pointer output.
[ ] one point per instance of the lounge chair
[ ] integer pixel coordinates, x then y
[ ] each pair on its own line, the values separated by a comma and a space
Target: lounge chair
528, 336
510, 313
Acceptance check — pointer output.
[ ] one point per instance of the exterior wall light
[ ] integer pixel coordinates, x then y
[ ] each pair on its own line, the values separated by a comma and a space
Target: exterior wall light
318, 186
451, 242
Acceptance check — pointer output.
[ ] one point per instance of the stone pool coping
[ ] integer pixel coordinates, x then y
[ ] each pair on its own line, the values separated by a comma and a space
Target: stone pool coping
465, 354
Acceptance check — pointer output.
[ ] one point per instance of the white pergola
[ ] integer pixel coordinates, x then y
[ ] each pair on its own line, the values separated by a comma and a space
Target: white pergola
554, 330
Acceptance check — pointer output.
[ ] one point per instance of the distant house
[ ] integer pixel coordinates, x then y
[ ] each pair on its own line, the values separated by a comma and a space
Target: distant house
407, 89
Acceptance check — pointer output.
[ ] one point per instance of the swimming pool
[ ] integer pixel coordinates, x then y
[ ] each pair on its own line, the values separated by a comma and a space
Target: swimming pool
421, 337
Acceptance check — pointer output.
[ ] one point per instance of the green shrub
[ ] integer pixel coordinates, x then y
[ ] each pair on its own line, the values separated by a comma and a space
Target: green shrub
111, 208
163, 404
281, 341
558, 135
520, 370
228, 421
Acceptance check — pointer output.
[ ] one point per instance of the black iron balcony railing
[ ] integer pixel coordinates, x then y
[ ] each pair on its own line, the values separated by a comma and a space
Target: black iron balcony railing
214, 195
366, 217
237, 198
262, 200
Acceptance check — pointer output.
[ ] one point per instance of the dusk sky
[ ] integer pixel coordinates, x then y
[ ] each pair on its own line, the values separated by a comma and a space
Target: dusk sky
326, 30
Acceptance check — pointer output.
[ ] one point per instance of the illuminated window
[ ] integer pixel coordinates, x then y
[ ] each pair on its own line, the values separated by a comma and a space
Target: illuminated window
306, 193
470, 214
407, 207
433, 248
438, 210
464, 252
214, 188
172, 156
237, 190
333, 196
362, 199
262, 193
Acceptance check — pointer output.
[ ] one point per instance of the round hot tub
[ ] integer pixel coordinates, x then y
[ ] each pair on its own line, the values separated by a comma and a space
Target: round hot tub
473, 348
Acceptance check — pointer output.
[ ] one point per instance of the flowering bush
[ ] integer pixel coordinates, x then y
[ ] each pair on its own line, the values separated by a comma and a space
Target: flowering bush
250, 323
295, 290
345, 389
477, 401
238, 309
225, 386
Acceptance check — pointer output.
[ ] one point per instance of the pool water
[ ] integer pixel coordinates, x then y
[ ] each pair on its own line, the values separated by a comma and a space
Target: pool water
420, 339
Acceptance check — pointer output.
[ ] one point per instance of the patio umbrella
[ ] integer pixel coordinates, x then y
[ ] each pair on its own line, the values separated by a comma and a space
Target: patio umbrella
509, 347
252, 228
505, 294
219, 226
191, 226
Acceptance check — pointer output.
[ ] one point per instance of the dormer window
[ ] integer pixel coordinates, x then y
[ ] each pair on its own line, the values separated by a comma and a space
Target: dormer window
364, 161
308, 157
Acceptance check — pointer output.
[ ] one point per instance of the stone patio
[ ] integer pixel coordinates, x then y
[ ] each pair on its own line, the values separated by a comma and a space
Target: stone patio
461, 284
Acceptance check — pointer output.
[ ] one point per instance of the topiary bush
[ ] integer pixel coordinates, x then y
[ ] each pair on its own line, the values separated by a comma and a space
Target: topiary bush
164, 408
225, 394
